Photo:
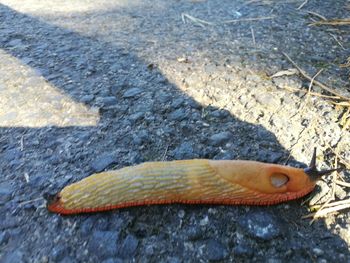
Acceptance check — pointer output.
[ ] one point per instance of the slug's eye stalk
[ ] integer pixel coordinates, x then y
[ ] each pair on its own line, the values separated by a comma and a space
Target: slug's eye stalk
312, 171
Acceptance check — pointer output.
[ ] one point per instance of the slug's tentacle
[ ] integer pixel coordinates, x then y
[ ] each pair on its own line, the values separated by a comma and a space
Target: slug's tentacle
196, 181
312, 171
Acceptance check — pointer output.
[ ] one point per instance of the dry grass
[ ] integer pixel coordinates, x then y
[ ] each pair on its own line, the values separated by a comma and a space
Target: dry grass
333, 96
331, 206
302, 5
195, 20
321, 85
317, 15
346, 64
271, 2
343, 102
332, 22
248, 19
345, 118
203, 23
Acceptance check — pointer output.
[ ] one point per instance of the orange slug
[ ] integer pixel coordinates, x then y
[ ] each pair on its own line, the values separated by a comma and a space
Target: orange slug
197, 181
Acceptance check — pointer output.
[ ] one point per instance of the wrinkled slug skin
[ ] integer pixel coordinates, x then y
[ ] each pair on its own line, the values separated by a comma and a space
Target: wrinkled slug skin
188, 181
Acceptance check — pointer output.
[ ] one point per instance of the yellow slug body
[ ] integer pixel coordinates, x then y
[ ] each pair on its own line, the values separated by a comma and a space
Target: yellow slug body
188, 181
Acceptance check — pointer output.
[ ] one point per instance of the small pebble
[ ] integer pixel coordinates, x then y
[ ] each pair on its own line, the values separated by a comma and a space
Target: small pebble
109, 101
4, 237
173, 260
220, 138
215, 251
194, 233
103, 244
14, 256
268, 100
184, 151
340, 192
149, 250
317, 251
128, 247
112, 260
178, 115
58, 252
177, 103
130, 93
86, 226
6, 190
261, 225
103, 161
204, 221
87, 98
243, 250
181, 213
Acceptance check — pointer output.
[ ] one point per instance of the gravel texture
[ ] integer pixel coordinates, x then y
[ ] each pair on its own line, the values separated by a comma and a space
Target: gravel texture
92, 85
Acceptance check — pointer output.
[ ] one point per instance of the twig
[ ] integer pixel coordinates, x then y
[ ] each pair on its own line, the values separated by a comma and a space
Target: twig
346, 64
342, 202
306, 200
268, 2
339, 43
202, 22
247, 19
333, 22
312, 93
165, 153
326, 211
26, 177
309, 91
313, 79
31, 201
317, 15
253, 36
288, 159
334, 179
311, 82
22, 143
321, 85
198, 21
342, 183
288, 72
342, 103
301, 6
319, 212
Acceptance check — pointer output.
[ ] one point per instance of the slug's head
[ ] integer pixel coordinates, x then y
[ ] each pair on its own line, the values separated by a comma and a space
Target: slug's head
270, 183
296, 181
52, 202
